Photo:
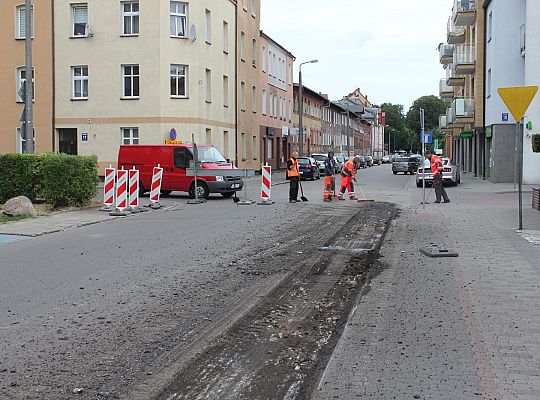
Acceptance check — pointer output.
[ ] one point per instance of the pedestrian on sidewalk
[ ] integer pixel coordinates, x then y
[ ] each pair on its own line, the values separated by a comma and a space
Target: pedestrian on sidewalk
437, 170
293, 175
348, 175
329, 180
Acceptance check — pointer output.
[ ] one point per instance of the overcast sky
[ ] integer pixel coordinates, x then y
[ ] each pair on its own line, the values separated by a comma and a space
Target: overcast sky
387, 48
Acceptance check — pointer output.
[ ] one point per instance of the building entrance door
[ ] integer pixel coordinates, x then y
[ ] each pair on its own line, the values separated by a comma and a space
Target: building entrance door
67, 141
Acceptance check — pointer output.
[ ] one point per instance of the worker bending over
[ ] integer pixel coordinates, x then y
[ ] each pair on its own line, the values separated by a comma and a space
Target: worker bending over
348, 175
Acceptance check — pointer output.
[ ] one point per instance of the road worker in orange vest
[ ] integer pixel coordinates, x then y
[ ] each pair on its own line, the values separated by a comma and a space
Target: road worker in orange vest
348, 175
329, 180
437, 167
293, 175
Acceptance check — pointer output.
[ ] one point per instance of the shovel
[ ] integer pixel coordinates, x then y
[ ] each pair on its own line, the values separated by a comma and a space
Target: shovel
304, 198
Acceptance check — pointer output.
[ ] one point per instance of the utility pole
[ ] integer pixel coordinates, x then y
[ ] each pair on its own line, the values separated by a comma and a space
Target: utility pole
28, 131
423, 159
301, 108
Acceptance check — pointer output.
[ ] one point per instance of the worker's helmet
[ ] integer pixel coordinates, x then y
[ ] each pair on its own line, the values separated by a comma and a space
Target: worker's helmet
356, 159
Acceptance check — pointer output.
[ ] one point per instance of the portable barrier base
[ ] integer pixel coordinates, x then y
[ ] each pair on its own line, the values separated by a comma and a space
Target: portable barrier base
266, 202
154, 206
119, 213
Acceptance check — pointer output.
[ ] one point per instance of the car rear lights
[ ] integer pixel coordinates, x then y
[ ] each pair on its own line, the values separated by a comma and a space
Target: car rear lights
447, 169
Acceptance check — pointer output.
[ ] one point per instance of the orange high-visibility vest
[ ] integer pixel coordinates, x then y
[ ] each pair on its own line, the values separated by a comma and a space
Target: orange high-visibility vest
294, 171
350, 167
436, 165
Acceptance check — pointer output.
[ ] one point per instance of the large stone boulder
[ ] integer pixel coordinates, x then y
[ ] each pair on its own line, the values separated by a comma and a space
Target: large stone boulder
20, 205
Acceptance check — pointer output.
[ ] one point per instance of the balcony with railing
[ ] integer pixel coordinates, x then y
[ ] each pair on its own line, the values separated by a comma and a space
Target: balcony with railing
446, 53
463, 109
452, 77
445, 91
455, 34
464, 59
464, 12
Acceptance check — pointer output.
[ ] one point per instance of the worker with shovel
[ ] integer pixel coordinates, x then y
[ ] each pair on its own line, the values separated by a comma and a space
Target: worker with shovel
293, 175
329, 180
348, 175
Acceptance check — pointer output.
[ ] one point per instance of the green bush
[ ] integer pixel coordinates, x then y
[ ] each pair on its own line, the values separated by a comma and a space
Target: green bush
536, 143
59, 179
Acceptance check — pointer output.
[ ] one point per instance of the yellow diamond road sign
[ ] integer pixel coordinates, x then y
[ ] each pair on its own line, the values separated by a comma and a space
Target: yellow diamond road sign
518, 99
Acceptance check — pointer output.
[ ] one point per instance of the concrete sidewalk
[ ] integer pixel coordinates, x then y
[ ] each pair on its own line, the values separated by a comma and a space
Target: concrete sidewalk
453, 328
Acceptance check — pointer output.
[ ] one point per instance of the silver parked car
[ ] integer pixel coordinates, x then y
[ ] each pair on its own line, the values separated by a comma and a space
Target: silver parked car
451, 174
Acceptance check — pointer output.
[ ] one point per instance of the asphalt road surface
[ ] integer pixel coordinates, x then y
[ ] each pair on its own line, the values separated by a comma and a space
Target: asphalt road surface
126, 308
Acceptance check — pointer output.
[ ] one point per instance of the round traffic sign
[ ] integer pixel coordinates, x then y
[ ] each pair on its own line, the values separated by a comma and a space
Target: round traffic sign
172, 134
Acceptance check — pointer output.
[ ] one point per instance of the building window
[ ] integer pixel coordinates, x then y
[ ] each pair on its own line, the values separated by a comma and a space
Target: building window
208, 26
275, 106
264, 68
490, 25
488, 84
21, 142
208, 78
290, 110
244, 6
80, 82
255, 147
208, 136
178, 19
254, 8
244, 146
243, 96
21, 80
225, 91
225, 37
270, 148
130, 135
242, 46
80, 19
254, 99
226, 144
130, 81
179, 81
21, 22
130, 18
254, 52
263, 102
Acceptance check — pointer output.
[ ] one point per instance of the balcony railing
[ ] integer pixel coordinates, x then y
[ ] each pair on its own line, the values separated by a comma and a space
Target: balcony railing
463, 108
446, 53
442, 122
454, 78
449, 116
464, 54
444, 89
464, 12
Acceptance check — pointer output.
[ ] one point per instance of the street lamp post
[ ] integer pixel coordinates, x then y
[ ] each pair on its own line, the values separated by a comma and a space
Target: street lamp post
301, 108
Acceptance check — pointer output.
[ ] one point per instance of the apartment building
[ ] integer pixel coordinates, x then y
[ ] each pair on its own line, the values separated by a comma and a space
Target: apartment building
332, 121
130, 72
247, 84
313, 103
12, 69
276, 96
512, 59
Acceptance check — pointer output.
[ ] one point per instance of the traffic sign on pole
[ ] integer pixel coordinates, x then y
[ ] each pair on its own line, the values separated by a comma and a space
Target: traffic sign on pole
518, 99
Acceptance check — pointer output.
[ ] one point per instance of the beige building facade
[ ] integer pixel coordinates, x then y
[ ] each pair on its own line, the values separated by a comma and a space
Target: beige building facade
132, 72
247, 85
12, 62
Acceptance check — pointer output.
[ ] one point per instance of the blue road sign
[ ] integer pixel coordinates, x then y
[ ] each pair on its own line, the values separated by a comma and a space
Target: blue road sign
172, 134
426, 137
505, 117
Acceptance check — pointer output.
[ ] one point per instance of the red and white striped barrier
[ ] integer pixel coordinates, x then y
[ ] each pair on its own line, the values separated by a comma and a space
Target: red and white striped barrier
108, 189
266, 185
133, 191
122, 189
155, 188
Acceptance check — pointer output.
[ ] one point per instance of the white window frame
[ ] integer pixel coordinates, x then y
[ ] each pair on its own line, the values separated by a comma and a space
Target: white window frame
225, 91
20, 80
243, 96
242, 45
254, 51
263, 102
21, 141
225, 37
254, 147
80, 78
133, 77
244, 146
132, 16
254, 8
264, 57
254, 98
177, 15
208, 26
73, 22
178, 77
208, 79
20, 10
132, 136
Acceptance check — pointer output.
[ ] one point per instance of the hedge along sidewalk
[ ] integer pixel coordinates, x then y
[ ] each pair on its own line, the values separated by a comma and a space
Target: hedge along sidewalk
58, 179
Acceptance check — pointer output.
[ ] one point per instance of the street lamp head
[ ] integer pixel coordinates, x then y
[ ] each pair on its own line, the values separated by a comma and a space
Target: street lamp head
313, 61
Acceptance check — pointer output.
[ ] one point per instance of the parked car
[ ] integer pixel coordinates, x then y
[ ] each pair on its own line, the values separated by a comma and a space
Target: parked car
417, 160
376, 160
386, 160
319, 157
340, 160
451, 174
309, 168
405, 164
362, 163
175, 159
369, 161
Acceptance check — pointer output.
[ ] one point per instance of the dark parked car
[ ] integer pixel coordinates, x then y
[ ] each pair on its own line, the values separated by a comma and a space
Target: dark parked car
362, 163
309, 169
405, 164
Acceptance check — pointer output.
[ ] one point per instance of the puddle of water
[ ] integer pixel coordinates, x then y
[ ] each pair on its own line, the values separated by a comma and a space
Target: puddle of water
7, 239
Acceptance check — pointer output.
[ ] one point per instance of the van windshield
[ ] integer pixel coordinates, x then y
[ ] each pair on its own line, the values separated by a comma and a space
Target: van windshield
210, 155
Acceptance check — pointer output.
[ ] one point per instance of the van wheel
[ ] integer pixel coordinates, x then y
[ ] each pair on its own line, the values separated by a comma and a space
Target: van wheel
202, 190
142, 190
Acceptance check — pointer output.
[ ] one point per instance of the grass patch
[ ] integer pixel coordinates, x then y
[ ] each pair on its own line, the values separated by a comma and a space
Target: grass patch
6, 218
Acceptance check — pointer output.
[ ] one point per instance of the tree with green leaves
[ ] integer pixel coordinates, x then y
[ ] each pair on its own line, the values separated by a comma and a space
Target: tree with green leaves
396, 129
433, 108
